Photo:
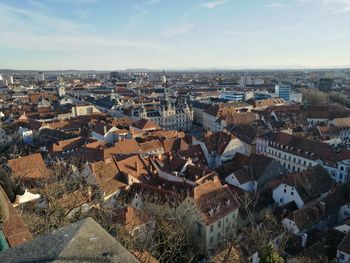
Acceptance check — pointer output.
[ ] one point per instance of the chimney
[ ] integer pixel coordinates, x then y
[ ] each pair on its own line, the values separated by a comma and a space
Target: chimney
89, 193
136, 166
104, 129
323, 208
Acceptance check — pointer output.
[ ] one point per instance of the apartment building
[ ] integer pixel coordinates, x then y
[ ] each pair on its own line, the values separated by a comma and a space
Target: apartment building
211, 212
297, 154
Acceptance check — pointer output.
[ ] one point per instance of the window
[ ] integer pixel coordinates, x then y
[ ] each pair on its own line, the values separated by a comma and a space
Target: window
219, 224
199, 229
342, 256
292, 193
285, 190
211, 228
211, 240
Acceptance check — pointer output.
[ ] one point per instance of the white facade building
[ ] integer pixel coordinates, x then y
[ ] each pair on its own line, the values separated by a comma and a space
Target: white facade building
297, 154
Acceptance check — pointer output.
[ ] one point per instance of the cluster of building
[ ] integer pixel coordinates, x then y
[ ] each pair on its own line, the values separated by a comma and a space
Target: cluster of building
194, 146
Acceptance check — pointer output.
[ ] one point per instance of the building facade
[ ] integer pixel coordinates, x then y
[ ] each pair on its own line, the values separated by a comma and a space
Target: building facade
169, 116
283, 91
297, 154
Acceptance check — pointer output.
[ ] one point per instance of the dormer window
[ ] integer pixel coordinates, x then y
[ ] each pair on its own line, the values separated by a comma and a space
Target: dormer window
211, 212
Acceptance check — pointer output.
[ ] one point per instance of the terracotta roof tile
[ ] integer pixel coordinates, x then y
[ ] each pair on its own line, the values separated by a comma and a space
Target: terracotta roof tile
134, 166
29, 167
214, 200
145, 125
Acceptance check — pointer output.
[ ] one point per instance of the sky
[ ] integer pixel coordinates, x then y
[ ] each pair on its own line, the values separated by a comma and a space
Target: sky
174, 34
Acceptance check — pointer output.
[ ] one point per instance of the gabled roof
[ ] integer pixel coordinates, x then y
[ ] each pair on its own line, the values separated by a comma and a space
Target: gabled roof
228, 168
170, 163
29, 167
214, 200
150, 145
326, 111
133, 166
241, 118
69, 144
102, 128
155, 194
145, 125
131, 218
194, 152
268, 102
128, 146
306, 217
174, 145
310, 183
302, 146
73, 200
105, 172
218, 141
244, 132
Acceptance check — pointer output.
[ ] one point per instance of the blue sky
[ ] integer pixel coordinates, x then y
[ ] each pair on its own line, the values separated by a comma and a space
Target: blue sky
174, 34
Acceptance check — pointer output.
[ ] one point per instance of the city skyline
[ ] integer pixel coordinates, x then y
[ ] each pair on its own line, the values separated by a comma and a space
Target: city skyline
156, 34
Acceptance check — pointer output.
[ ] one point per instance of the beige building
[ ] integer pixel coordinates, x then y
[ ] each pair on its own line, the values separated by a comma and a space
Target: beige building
216, 117
81, 110
170, 117
212, 213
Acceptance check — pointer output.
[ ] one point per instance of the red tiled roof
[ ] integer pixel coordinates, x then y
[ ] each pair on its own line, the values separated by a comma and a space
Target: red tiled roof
145, 125
214, 200
29, 167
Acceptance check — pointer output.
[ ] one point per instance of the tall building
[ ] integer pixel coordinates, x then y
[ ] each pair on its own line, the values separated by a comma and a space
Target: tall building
40, 76
61, 90
283, 92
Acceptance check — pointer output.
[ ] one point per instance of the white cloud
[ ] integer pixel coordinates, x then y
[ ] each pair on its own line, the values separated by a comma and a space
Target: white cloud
211, 5
27, 20
182, 29
71, 43
335, 6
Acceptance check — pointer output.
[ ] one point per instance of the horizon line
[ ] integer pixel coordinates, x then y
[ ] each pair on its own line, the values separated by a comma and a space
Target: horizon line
347, 67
